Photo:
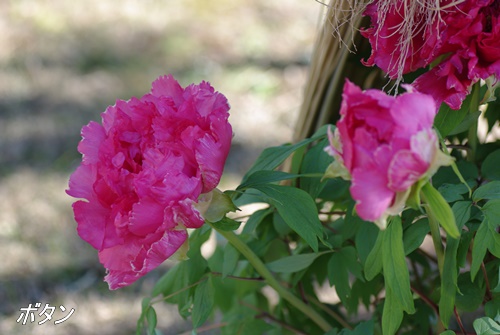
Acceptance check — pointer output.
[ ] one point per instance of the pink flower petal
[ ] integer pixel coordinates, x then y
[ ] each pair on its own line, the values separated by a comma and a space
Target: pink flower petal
369, 189
143, 171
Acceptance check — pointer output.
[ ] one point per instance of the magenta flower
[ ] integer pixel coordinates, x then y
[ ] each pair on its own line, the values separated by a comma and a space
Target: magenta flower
143, 171
465, 34
384, 144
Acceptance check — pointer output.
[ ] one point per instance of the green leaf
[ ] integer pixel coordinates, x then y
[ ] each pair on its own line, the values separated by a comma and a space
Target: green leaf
203, 302
373, 264
255, 219
272, 157
490, 168
265, 177
461, 210
492, 307
294, 263
481, 242
363, 328
487, 191
414, 235
448, 332
447, 119
486, 326
151, 318
449, 278
231, 256
170, 281
298, 210
466, 123
145, 304
340, 265
316, 160
487, 237
226, 224
440, 209
392, 314
471, 293
492, 211
396, 275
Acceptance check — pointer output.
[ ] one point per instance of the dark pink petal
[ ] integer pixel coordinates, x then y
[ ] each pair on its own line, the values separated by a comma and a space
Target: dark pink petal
94, 225
92, 137
211, 155
128, 262
167, 86
146, 217
80, 182
143, 171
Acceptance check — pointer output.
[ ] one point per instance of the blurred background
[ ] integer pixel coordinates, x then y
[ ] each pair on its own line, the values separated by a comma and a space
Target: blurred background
61, 64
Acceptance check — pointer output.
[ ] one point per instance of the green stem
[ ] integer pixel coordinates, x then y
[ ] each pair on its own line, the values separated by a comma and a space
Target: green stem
271, 281
472, 142
436, 239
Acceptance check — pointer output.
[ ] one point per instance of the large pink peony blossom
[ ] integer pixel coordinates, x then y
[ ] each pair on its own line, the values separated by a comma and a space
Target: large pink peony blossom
463, 38
143, 171
384, 144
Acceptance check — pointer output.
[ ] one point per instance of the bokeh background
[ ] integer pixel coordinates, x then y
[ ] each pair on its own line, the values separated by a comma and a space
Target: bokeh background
61, 64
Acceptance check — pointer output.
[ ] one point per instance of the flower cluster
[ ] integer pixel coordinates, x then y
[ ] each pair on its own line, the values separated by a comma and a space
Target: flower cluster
461, 39
143, 171
384, 144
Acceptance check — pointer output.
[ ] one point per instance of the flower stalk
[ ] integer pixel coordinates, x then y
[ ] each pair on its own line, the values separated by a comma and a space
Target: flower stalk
264, 272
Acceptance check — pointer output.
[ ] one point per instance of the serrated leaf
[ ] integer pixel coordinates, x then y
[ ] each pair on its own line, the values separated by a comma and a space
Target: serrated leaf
490, 167
486, 326
294, 263
298, 210
203, 302
487, 191
440, 209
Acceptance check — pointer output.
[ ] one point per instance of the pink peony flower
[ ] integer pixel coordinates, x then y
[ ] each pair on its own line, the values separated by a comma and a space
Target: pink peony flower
384, 144
464, 36
143, 171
